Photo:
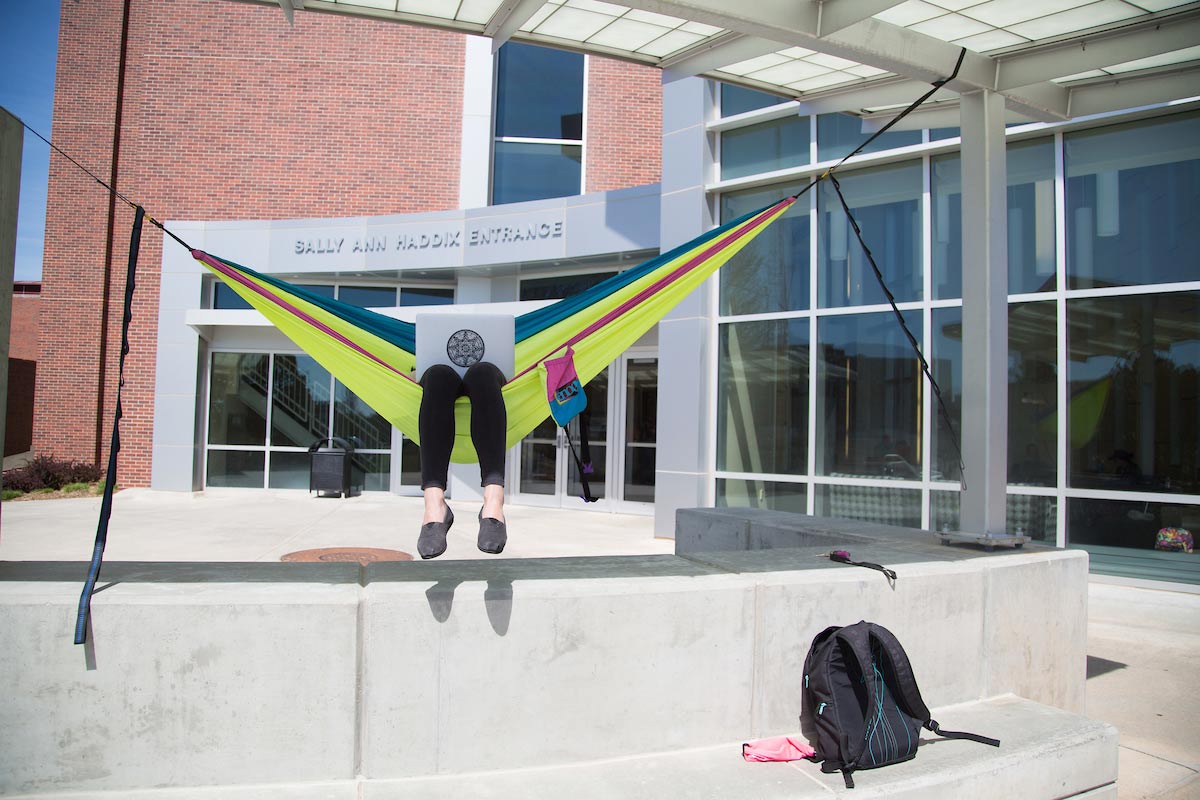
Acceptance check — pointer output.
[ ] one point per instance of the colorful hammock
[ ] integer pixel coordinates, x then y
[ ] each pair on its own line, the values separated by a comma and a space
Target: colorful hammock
374, 355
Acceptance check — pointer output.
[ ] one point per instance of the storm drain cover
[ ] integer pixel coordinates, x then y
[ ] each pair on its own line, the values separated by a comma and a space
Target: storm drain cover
362, 555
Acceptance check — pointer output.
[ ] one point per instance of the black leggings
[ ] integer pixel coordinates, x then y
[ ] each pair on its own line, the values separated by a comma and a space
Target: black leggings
488, 421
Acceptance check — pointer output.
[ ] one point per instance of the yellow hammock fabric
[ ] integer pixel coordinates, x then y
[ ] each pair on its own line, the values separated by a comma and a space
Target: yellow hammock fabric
373, 355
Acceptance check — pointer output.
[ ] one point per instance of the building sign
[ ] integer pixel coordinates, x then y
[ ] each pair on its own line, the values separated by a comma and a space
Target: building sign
495, 238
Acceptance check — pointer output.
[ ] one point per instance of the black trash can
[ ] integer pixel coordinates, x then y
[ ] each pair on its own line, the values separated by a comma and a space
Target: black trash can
333, 472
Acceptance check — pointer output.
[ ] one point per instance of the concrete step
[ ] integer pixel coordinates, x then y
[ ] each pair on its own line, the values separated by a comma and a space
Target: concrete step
1045, 754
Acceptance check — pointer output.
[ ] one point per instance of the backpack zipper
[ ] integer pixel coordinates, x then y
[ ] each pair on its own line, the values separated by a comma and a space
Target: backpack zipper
821, 709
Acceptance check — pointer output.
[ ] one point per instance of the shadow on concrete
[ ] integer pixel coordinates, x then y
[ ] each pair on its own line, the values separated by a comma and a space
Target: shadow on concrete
1097, 666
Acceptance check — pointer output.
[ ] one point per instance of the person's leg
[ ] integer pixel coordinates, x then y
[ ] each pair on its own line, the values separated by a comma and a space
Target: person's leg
442, 387
489, 423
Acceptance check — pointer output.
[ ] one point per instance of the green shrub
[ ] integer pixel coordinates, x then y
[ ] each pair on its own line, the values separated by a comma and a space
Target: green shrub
76, 487
9, 494
48, 472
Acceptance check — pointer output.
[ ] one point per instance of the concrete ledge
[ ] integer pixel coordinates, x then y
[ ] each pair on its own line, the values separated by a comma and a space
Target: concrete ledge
249, 675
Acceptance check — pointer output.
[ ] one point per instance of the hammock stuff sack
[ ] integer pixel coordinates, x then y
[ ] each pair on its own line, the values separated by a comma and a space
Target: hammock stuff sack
567, 400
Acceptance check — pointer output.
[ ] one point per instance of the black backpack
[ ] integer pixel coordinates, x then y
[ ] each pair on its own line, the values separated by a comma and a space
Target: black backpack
862, 698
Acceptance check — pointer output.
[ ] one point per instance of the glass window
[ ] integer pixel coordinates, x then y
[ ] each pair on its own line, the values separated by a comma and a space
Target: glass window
771, 273
531, 106
532, 171
946, 364
1134, 389
937, 134
1030, 169
1133, 198
410, 463
426, 296
839, 134
299, 402
762, 397
886, 202
1032, 394
528, 106
1025, 515
560, 286
368, 296
775, 495
376, 470
886, 505
240, 469
226, 297
322, 289
237, 402
765, 147
739, 100
288, 471
358, 423
869, 390
1101, 524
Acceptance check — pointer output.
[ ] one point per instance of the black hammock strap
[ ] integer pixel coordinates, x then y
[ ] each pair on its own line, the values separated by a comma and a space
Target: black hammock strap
974, 737
110, 480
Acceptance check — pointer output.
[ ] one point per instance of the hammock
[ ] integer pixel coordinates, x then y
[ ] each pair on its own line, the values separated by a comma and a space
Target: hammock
373, 355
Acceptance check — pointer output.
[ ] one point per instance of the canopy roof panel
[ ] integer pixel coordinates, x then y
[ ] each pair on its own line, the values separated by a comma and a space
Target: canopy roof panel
1052, 59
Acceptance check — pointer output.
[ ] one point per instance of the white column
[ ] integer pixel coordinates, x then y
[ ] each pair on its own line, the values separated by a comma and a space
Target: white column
683, 476
475, 154
985, 314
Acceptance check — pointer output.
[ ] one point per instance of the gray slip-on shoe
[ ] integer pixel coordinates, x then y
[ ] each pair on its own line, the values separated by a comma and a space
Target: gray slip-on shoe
432, 541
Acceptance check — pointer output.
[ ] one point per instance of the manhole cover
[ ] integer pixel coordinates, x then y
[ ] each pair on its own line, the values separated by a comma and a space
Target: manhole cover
363, 555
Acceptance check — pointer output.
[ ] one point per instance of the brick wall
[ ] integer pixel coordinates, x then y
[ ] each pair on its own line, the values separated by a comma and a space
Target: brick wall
23, 332
624, 125
228, 113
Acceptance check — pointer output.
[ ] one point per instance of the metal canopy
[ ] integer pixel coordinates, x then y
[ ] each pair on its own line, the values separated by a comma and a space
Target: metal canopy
1051, 60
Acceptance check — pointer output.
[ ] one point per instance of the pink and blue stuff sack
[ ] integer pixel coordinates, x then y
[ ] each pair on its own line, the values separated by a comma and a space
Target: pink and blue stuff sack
1177, 540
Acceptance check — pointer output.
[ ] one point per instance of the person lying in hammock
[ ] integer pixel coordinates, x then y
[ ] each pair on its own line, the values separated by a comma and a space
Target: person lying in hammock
442, 386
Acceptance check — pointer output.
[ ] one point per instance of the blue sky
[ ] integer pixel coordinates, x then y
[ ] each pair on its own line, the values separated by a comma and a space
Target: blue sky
28, 47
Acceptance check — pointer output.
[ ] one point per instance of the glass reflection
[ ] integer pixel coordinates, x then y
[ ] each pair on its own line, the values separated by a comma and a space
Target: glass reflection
530, 105
886, 202
775, 495
1134, 387
1101, 524
738, 99
1133, 197
300, 402
762, 397
1031, 248
1026, 515
839, 134
528, 171
641, 428
765, 147
869, 390
886, 505
771, 273
237, 402
240, 469
357, 422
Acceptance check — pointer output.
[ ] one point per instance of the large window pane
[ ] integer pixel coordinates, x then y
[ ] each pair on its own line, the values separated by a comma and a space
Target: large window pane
886, 505
869, 389
946, 364
886, 202
226, 297
1103, 526
839, 134
775, 495
765, 147
771, 273
236, 468
356, 421
1133, 198
1134, 387
289, 471
1025, 515
1032, 394
237, 405
762, 397
426, 296
561, 286
1030, 169
539, 93
525, 171
368, 296
300, 402
739, 100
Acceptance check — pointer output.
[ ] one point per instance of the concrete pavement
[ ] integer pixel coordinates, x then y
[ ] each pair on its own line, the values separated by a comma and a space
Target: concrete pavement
1142, 643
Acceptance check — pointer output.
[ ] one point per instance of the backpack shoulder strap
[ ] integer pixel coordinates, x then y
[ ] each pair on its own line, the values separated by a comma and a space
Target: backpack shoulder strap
907, 694
857, 639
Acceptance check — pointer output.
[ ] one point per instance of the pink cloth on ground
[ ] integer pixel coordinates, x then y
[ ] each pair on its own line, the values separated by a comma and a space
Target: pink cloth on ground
777, 748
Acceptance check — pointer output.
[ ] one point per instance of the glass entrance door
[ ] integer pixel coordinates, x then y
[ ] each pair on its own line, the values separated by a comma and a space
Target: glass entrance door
621, 420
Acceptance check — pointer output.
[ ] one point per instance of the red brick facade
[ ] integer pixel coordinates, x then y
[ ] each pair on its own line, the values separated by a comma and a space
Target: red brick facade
227, 112
624, 125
